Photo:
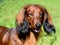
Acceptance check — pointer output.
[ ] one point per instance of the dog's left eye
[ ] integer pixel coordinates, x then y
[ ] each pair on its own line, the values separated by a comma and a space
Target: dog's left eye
41, 15
30, 14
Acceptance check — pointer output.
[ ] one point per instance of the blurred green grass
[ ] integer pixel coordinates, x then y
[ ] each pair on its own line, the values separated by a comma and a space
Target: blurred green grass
10, 8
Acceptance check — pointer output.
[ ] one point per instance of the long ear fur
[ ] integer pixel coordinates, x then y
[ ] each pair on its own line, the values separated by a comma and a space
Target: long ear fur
47, 24
22, 24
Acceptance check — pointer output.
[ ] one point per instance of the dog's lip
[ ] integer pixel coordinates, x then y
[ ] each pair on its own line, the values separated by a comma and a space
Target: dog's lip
36, 30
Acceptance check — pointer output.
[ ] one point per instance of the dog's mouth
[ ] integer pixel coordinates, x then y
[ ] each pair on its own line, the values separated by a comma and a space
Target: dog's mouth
34, 30
37, 30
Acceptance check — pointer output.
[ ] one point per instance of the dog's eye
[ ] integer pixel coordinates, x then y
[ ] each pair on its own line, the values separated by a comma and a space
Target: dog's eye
41, 15
30, 14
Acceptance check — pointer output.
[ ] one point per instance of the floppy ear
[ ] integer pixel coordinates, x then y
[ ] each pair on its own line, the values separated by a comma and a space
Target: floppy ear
47, 24
22, 24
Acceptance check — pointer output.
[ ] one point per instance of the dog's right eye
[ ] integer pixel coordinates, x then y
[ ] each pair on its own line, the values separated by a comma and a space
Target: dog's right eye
30, 14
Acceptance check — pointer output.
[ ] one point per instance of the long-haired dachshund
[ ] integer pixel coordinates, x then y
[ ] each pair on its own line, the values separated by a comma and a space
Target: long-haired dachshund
28, 26
3, 30
29, 21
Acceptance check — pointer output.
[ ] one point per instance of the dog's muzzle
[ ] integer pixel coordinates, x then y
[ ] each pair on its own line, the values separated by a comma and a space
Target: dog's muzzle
36, 29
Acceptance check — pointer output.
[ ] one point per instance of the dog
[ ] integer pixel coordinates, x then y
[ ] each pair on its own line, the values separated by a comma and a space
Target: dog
35, 16
3, 30
28, 26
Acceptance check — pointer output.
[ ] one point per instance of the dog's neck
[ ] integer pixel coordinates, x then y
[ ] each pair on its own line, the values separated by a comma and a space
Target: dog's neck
36, 34
23, 36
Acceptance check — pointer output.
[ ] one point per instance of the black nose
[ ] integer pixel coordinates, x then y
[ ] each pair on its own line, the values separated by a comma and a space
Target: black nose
38, 25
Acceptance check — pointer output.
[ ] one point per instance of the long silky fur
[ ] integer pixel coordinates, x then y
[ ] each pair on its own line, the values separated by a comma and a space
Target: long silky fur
48, 28
22, 29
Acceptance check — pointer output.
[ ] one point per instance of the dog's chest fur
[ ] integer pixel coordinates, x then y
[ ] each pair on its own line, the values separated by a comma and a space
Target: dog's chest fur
12, 38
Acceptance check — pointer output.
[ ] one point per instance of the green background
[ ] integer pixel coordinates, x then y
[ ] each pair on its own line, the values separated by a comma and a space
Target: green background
10, 8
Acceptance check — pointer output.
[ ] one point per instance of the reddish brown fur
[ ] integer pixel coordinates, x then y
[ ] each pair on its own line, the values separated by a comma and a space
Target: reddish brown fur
34, 13
33, 16
3, 30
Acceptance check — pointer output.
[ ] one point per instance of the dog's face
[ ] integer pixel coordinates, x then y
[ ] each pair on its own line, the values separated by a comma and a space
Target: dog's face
35, 16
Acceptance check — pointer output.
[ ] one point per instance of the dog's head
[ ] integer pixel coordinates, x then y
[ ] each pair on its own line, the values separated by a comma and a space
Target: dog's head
32, 17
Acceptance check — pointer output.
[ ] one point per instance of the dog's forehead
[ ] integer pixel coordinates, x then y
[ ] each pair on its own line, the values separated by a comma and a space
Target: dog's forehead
33, 8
